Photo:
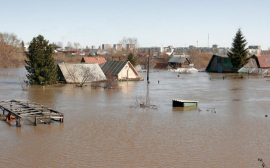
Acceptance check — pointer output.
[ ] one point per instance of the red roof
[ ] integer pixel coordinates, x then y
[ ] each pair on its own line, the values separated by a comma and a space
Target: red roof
98, 60
264, 60
143, 53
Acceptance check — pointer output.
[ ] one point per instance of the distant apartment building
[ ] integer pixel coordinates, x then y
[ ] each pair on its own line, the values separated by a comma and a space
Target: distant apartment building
222, 51
131, 47
93, 47
106, 46
191, 47
117, 47
215, 46
153, 49
181, 50
255, 49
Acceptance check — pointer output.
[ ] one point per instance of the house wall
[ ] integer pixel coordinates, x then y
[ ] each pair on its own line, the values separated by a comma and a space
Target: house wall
220, 64
126, 72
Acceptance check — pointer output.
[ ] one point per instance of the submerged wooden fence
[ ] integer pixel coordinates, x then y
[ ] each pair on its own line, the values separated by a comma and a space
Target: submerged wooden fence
18, 109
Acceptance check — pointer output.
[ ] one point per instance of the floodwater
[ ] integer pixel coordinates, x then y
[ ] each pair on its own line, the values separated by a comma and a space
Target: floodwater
101, 129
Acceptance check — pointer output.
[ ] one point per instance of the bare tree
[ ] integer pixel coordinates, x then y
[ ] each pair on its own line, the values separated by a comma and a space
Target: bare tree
60, 44
11, 50
80, 73
199, 59
110, 82
24, 82
70, 45
76, 45
129, 40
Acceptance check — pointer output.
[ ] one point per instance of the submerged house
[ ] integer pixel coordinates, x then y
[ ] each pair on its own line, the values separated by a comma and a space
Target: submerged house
77, 73
263, 60
220, 64
179, 62
98, 60
258, 64
120, 70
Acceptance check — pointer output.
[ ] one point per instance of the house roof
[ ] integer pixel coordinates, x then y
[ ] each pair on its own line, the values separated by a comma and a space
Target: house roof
115, 67
214, 55
55, 46
264, 60
223, 56
177, 59
93, 50
98, 60
73, 73
76, 51
143, 54
86, 50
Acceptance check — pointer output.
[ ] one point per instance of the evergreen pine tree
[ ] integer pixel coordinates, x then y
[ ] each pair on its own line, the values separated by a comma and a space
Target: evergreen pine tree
41, 64
238, 54
131, 59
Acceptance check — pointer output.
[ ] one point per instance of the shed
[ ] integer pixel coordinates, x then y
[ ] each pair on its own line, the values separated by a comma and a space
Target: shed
76, 73
119, 70
220, 64
179, 62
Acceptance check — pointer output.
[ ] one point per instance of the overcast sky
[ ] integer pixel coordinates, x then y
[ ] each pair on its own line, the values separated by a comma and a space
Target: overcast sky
153, 22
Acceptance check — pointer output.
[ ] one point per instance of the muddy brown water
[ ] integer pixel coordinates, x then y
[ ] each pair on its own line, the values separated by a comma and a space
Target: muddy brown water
101, 129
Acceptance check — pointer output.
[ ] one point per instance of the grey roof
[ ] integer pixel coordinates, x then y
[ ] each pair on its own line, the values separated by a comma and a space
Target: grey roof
177, 59
93, 50
113, 67
74, 73
55, 46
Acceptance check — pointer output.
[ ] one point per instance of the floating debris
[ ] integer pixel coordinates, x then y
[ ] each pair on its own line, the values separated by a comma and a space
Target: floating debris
18, 109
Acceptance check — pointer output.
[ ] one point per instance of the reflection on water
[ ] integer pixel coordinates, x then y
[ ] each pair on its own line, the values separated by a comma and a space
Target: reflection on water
185, 108
228, 129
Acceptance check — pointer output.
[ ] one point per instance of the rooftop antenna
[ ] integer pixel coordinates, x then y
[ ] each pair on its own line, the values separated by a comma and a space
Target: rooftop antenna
208, 40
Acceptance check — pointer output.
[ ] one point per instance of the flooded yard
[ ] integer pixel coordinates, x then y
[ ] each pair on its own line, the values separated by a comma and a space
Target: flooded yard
102, 129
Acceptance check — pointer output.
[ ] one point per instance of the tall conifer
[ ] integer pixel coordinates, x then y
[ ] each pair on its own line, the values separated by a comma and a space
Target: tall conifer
131, 59
41, 64
238, 54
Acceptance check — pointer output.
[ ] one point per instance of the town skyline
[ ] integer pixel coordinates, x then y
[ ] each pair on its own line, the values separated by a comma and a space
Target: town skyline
160, 24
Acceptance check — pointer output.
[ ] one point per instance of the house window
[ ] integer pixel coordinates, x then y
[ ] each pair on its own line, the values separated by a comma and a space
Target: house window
218, 60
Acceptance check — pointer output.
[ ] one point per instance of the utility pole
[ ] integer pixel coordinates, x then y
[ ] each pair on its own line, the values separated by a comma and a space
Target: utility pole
148, 66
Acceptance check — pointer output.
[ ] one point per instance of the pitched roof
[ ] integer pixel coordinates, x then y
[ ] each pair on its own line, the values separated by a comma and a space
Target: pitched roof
93, 50
76, 51
264, 60
177, 59
74, 73
115, 67
98, 60
55, 46
223, 56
